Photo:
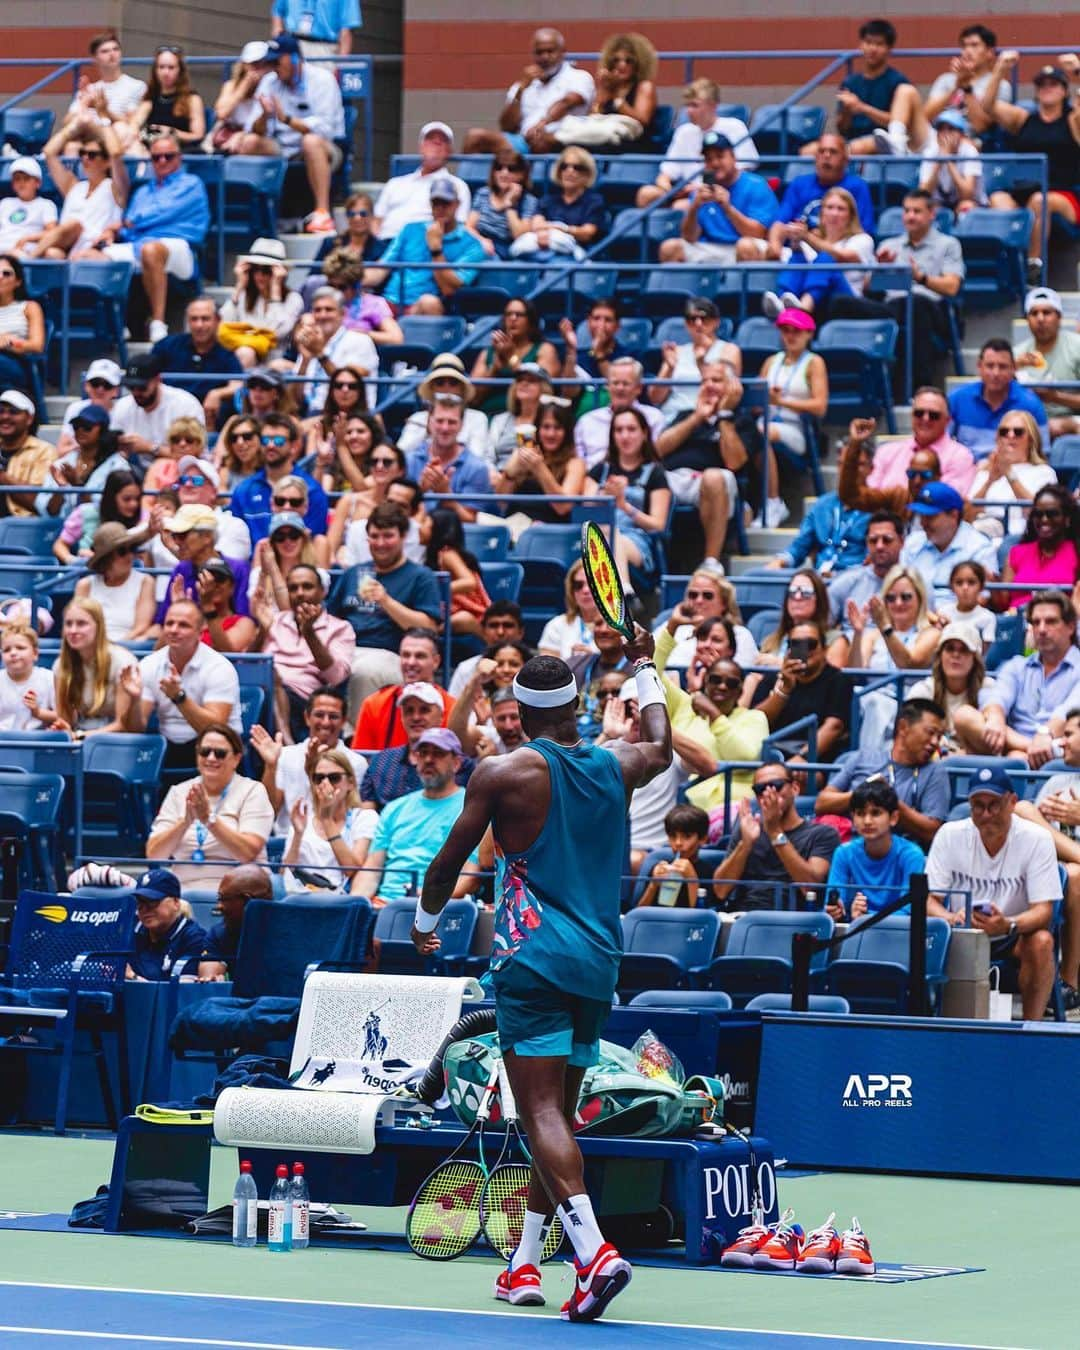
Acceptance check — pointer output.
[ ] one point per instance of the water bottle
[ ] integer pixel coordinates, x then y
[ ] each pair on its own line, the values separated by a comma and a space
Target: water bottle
281, 1212
301, 1206
245, 1209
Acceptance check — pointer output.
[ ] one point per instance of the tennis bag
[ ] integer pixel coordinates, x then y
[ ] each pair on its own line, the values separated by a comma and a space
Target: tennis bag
615, 1098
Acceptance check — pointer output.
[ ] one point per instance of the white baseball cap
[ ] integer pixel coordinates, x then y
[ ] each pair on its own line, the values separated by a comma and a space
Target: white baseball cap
202, 466
442, 127
104, 369
1043, 295
28, 165
424, 691
253, 52
15, 398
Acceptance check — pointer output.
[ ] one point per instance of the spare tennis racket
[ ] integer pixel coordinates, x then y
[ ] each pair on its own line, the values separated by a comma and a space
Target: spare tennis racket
603, 578
504, 1198
444, 1217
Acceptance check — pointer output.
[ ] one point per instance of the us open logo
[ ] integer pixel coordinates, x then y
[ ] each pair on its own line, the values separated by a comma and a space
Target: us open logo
878, 1089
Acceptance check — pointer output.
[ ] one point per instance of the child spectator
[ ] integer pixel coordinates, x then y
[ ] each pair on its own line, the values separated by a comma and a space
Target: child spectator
678, 882
967, 581
446, 552
24, 686
869, 872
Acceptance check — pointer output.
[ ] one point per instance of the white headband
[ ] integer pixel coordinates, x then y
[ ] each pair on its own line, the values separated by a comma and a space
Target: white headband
545, 698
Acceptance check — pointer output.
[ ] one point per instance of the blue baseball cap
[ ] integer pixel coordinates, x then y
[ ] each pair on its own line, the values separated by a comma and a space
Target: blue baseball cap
156, 885
283, 45
92, 415
952, 117
282, 520
935, 497
992, 779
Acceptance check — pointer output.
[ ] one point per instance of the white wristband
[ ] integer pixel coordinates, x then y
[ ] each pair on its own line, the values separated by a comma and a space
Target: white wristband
425, 922
649, 689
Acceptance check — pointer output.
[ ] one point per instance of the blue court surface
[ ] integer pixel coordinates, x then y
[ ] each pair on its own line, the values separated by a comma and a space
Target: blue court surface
60, 1316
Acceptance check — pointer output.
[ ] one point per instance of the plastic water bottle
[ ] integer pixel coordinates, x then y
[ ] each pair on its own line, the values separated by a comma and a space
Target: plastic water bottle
245, 1209
301, 1206
669, 890
281, 1212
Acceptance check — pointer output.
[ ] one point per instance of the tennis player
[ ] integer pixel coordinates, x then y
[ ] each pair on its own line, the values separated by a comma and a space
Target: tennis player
557, 808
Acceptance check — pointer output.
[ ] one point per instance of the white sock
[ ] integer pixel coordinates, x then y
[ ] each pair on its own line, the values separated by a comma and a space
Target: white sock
581, 1227
899, 137
534, 1231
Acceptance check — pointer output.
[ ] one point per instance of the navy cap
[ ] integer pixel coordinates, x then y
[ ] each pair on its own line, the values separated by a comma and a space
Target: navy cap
141, 369
156, 885
935, 497
992, 779
93, 414
715, 140
1051, 73
283, 45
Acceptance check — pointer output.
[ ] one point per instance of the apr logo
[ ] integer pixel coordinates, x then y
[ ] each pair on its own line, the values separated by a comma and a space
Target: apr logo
878, 1089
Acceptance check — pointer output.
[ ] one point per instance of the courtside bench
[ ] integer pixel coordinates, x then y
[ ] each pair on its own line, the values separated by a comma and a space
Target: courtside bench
705, 1184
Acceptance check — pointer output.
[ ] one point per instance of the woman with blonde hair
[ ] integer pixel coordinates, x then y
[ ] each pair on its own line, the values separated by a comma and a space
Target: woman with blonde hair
88, 695
331, 834
838, 237
570, 633
288, 543
571, 215
1014, 471
709, 595
625, 103
186, 436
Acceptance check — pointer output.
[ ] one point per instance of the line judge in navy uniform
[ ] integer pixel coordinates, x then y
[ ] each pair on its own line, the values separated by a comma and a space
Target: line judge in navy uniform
163, 933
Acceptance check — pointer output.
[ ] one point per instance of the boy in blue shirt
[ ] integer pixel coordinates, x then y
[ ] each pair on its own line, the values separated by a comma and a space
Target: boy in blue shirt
869, 872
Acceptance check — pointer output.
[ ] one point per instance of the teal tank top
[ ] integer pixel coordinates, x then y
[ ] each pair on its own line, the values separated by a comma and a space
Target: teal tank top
557, 908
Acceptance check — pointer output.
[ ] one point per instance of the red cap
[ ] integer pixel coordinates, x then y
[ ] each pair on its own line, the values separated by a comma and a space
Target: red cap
298, 1169
282, 1170
245, 1166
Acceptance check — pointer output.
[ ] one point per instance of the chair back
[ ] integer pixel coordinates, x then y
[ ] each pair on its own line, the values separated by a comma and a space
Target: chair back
280, 939
713, 1000
688, 936
502, 580
819, 1003
50, 931
768, 933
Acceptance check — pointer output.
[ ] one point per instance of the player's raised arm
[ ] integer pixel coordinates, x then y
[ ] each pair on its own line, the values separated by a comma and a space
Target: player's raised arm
650, 754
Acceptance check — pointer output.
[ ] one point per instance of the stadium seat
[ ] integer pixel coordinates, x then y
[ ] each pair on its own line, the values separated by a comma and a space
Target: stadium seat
543, 593
891, 221
873, 970
1064, 457
757, 338
488, 543
994, 245
30, 805
633, 333
121, 774
673, 329
26, 129
859, 354
560, 542
781, 131
741, 111
569, 291
668, 288
502, 580
665, 948
440, 333
620, 179
398, 955
816, 1003
764, 622
253, 186
65, 970
757, 959
889, 183
35, 534
962, 769
701, 1000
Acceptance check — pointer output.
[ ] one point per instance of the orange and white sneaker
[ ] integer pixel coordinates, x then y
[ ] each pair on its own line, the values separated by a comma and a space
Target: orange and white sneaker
740, 1254
781, 1250
521, 1286
819, 1250
854, 1257
319, 222
596, 1284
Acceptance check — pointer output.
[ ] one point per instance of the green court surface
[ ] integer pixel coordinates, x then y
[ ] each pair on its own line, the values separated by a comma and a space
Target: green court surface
1024, 1235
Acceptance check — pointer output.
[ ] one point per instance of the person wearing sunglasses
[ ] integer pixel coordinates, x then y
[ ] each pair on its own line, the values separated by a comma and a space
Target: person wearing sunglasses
208, 824
832, 534
186, 436
170, 104
365, 312
772, 848
325, 433
238, 453
502, 209
568, 634
96, 455
253, 498
358, 239
893, 458
1051, 355
167, 217
125, 594
807, 685
145, 413
199, 484
571, 215
26, 458
893, 631
288, 544
709, 595
1048, 553
1014, 471
311, 649
164, 934
194, 529
945, 539
22, 326
25, 215
198, 352
978, 407
329, 831
687, 360
100, 388
446, 375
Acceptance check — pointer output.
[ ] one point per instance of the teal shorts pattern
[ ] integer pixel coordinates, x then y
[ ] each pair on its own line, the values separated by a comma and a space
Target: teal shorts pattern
536, 1018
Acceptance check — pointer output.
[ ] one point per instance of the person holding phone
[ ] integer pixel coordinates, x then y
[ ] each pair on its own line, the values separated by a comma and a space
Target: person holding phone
728, 205
806, 684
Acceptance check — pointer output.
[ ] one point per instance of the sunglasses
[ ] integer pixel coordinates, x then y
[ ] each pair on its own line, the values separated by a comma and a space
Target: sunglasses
514, 314
1011, 432
277, 441
98, 384
449, 400
363, 215
698, 318
760, 789
333, 778
163, 156
172, 51
383, 462
288, 534
554, 401
193, 480
921, 473
701, 595
122, 551
83, 426
574, 168
927, 414
292, 503
580, 585
724, 681
91, 154
956, 649
7, 273
182, 438
1047, 513
212, 752
344, 384
801, 592
900, 598
244, 436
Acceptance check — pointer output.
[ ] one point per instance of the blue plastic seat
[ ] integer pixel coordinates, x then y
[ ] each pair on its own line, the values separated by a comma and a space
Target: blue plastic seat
65, 970
669, 287
488, 543
757, 959
633, 333
714, 1000
816, 1003
635, 237
30, 805
36, 534
543, 590
502, 580
121, 774
398, 955
622, 178
439, 332
781, 131
26, 129
253, 186
1064, 457
559, 542
994, 245
574, 290
858, 355
665, 948
891, 221
873, 968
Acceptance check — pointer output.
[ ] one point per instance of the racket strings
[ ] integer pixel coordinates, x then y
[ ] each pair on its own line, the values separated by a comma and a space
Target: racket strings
502, 1211
445, 1217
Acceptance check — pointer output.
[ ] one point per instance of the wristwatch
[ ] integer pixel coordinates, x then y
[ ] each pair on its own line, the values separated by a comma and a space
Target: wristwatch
780, 839
179, 697
1012, 929
888, 631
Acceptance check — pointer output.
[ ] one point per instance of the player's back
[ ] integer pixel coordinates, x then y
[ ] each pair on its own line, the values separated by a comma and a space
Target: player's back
558, 899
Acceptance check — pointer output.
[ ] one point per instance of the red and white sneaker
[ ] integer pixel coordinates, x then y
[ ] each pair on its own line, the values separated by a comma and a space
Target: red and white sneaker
854, 1257
521, 1286
596, 1284
740, 1254
319, 222
781, 1251
819, 1250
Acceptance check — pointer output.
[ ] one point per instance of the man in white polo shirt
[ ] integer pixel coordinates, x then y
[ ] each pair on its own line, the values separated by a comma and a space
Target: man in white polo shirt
198, 483
407, 197
186, 682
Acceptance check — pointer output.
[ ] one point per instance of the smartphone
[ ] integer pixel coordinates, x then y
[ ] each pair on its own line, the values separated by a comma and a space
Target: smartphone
709, 179
984, 909
799, 649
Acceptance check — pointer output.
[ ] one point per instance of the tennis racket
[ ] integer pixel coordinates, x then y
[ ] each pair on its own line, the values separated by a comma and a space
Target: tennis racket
504, 1198
444, 1217
603, 578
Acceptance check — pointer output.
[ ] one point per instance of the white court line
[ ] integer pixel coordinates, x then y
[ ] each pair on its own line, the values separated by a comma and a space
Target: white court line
112, 1336
487, 1312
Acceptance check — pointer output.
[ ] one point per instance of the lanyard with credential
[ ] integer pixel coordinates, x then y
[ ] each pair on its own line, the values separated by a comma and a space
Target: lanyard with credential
198, 854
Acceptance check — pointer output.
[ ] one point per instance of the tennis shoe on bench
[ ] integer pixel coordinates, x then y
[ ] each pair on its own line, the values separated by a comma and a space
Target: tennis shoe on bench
740, 1254
854, 1256
781, 1251
518, 1287
596, 1284
819, 1250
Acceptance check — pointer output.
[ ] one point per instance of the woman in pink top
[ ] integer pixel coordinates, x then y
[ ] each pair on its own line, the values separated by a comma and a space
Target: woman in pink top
929, 424
1049, 552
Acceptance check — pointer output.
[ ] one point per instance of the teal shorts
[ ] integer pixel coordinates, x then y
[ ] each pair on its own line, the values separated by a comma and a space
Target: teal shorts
536, 1018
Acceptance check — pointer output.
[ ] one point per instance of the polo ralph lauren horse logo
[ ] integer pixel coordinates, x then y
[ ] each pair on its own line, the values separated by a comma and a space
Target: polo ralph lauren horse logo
374, 1041
321, 1075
